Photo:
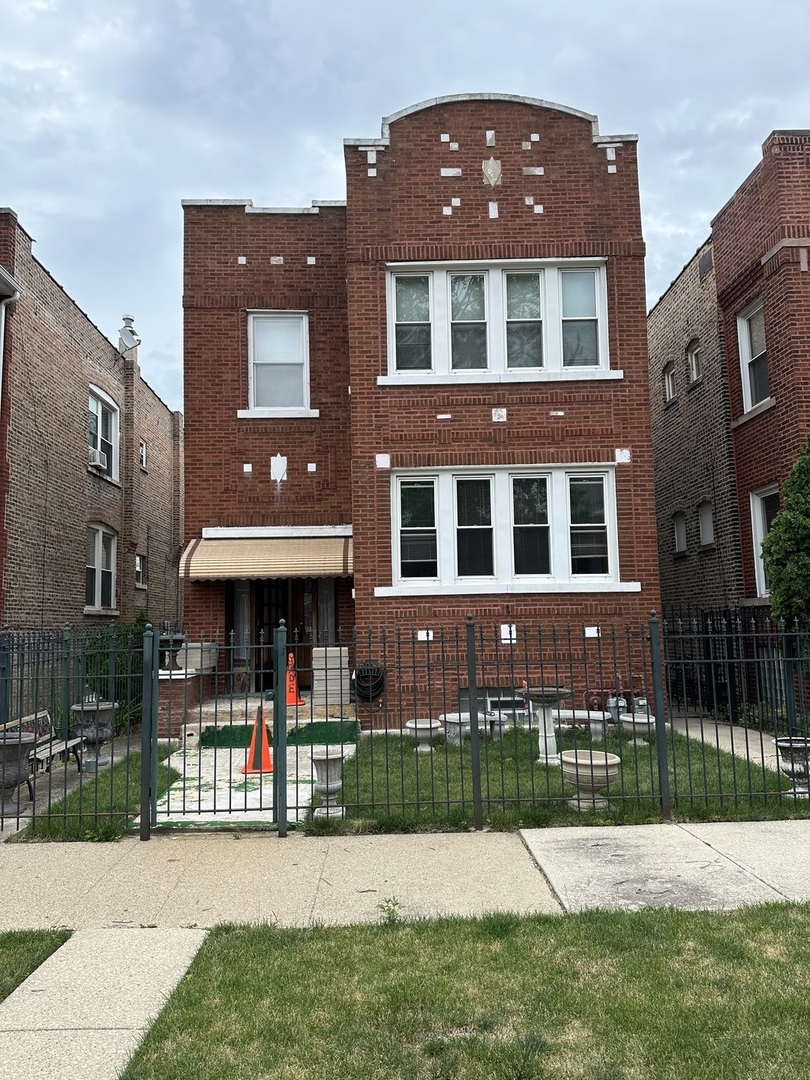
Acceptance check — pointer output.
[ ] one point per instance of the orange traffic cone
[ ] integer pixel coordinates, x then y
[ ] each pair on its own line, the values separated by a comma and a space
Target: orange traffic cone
259, 760
293, 697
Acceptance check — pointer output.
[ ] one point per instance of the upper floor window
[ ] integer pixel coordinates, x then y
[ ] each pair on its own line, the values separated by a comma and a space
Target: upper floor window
694, 363
498, 529
679, 531
278, 364
669, 383
753, 355
142, 453
140, 571
102, 433
100, 568
706, 522
504, 322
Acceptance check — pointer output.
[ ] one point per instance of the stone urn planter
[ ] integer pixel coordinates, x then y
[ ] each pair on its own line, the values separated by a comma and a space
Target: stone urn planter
641, 726
456, 727
423, 729
794, 761
15, 746
328, 764
94, 721
590, 771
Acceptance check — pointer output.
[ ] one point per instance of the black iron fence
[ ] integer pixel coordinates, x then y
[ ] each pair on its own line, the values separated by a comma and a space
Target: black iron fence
453, 727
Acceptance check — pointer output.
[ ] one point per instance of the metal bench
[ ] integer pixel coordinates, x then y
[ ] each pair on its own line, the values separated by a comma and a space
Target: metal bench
48, 746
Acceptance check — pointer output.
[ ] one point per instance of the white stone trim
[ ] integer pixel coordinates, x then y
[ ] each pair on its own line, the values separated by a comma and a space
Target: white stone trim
273, 532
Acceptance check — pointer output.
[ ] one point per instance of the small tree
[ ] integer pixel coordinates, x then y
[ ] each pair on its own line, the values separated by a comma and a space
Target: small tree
786, 548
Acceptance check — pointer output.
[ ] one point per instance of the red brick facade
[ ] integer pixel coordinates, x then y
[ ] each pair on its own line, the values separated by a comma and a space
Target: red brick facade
761, 249
485, 186
49, 496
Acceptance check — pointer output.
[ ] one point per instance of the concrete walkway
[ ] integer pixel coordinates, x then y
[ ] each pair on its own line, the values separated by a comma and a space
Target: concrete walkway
140, 909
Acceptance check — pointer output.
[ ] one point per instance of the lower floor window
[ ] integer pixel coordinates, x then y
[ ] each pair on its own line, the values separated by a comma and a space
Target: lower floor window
505, 526
764, 508
100, 567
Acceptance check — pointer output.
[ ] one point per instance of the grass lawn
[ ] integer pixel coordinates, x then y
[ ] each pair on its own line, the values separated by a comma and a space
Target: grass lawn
22, 951
387, 786
102, 806
649, 995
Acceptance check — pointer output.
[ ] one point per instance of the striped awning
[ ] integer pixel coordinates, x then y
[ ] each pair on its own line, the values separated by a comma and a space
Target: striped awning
301, 557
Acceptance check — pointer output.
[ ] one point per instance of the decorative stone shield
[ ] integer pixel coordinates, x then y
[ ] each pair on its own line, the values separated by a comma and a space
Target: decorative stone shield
492, 172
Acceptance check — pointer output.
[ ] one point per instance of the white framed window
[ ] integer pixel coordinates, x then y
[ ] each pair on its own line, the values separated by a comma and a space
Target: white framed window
753, 355
140, 572
143, 451
278, 365
670, 391
679, 531
102, 433
102, 545
706, 522
505, 322
764, 508
504, 530
694, 363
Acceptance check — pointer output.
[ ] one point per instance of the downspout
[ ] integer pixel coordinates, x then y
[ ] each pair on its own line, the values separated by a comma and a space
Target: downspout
8, 280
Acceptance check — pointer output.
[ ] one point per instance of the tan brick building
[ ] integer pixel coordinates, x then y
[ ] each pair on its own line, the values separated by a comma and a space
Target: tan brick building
432, 399
729, 386
91, 510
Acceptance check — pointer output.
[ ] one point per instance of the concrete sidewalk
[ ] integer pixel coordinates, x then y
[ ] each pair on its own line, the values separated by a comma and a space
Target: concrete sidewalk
140, 909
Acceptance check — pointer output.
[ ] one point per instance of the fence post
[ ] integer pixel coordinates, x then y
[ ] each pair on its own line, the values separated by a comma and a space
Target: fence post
146, 732
660, 718
111, 662
66, 682
475, 749
789, 653
280, 728
5, 675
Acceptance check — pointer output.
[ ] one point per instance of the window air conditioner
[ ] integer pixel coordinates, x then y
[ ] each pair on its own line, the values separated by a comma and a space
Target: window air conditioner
97, 458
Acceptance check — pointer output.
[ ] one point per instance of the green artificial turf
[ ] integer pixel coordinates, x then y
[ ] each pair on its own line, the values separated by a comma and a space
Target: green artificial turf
319, 733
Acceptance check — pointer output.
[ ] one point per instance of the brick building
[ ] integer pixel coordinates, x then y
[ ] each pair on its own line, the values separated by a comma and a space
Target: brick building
429, 400
729, 366
91, 487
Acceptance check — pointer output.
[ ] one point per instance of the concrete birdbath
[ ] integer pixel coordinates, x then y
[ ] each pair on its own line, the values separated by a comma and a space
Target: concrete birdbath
545, 698
328, 764
794, 761
423, 729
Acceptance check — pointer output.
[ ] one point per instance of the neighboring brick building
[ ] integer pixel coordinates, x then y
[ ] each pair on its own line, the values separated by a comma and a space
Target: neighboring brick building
91, 488
434, 395
730, 438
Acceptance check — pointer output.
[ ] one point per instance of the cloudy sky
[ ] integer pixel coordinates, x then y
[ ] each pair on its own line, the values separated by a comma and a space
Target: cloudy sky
112, 111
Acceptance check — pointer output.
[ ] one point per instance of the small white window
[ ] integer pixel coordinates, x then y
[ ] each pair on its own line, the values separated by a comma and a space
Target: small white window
142, 453
694, 363
706, 522
140, 571
579, 319
468, 322
753, 355
278, 347
679, 530
100, 568
669, 383
764, 508
102, 433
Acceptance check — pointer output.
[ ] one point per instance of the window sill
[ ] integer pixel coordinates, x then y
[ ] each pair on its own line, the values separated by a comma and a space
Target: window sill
670, 402
757, 410
679, 554
279, 414
694, 384
104, 476
100, 611
597, 585
467, 378
143, 588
